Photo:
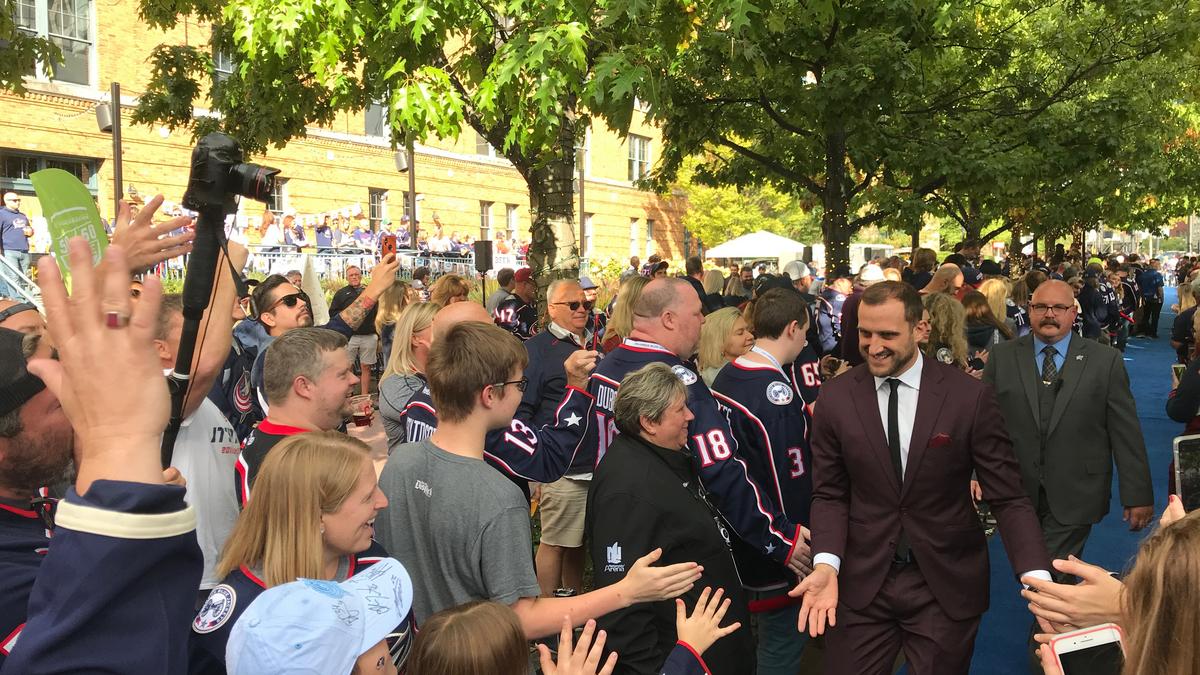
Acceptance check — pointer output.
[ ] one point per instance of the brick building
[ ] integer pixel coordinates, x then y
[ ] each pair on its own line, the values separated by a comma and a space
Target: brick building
346, 165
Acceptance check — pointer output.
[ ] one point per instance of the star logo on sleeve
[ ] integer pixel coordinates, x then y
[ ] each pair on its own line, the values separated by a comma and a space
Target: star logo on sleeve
770, 547
573, 420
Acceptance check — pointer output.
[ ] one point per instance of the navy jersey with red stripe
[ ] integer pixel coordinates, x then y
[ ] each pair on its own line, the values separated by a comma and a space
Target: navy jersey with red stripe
771, 422
254, 450
517, 317
522, 452
24, 539
805, 375
225, 603
741, 501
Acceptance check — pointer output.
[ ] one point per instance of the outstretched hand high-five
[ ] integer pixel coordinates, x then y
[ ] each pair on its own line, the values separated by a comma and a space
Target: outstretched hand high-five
108, 377
819, 607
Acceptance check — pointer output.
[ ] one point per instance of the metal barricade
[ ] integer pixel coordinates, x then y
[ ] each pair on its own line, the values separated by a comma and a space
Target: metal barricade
20, 286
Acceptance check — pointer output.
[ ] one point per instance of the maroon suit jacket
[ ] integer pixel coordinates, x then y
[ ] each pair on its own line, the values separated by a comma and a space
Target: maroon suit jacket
859, 506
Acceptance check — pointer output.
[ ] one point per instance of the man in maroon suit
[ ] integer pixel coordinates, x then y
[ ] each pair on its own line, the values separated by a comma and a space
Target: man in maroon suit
894, 444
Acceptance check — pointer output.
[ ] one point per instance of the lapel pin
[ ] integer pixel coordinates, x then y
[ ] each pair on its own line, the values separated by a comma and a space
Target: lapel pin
1079, 357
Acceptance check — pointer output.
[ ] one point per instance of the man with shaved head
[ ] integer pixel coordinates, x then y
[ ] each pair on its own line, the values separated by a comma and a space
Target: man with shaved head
666, 329
525, 451
1068, 408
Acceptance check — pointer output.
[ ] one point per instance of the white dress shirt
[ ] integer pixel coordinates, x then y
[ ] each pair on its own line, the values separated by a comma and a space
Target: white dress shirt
908, 391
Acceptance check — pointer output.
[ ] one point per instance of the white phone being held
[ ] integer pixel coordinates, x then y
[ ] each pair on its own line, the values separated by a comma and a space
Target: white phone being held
1095, 650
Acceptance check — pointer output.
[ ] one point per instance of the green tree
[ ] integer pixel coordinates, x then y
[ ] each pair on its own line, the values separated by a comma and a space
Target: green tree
522, 74
870, 107
719, 213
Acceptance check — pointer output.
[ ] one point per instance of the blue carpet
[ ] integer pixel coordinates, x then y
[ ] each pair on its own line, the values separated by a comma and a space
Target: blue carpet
1001, 646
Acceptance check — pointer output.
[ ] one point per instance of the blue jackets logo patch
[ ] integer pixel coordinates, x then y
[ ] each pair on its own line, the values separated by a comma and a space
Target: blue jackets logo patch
779, 393
216, 610
683, 373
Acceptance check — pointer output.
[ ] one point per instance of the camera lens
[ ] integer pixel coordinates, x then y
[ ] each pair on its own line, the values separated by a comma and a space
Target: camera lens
253, 181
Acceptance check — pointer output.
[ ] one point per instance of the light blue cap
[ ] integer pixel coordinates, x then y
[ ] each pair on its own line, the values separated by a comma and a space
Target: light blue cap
319, 627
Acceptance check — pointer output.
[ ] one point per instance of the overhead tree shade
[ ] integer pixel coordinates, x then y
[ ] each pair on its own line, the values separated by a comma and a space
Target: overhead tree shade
756, 245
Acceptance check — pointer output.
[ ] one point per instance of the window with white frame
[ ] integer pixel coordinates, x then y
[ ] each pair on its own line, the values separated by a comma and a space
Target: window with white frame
485, 220
649, 237
512, 216
15, 168
634, 235
376, 207
587, 236
277, 202
639, 157
67, 24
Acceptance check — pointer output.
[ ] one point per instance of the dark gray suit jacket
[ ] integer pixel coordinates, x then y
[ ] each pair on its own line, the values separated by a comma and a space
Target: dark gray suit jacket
1094, 422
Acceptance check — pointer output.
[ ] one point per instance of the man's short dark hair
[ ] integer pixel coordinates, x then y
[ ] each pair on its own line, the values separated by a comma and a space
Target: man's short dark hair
694, 265
470, 356
505, 276
295, 353
883, 291
956, 259
262, 292
775, 310
170, 306
420, 273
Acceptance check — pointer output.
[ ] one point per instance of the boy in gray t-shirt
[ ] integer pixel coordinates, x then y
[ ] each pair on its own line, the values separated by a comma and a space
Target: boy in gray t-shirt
458, 526
480, 548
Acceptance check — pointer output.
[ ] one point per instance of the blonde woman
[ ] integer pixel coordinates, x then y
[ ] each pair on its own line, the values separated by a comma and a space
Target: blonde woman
620, 322
391, 304
449, 289
311, 517
947, 330
997, 290
723, 337
405, 371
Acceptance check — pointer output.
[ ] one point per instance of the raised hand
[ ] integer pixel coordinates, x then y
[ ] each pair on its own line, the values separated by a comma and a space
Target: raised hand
143, 241
1095, 599
644, 583
108, 377
584, 659
700, 630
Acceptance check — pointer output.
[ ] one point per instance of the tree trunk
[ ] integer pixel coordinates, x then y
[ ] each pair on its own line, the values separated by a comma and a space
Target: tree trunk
916, 241
553, 249
834, 224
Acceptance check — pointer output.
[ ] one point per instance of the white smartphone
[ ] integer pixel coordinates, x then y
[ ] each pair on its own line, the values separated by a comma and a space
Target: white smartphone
1187, 471
1090, 651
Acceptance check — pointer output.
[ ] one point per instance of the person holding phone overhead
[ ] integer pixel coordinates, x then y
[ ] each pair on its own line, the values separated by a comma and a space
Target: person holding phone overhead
1067, 404
900, 558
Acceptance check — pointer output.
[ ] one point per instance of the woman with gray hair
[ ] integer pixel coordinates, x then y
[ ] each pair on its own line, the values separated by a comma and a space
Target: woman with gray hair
645, 495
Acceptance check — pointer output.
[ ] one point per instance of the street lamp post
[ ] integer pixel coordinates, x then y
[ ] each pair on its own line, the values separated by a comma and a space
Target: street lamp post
108, 118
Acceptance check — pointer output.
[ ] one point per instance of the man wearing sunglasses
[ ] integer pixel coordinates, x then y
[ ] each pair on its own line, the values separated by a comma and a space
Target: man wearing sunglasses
563, 503
282, 307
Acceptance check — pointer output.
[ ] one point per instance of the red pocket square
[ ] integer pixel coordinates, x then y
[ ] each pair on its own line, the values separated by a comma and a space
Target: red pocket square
939, 441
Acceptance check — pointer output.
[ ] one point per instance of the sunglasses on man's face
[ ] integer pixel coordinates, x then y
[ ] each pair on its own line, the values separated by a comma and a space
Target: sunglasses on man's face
290, 300
574, 305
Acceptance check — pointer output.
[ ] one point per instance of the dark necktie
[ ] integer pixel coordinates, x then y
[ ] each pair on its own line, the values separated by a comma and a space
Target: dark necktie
902, 547
894, 428
1049, 369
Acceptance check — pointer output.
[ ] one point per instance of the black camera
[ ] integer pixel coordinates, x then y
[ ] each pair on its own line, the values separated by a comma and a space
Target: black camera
219, 174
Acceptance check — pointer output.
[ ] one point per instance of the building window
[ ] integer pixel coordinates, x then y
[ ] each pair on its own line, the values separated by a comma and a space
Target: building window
376, 207
407, 206
15, 168
512, 216
586, 248
222, 66
649, 237
485, 220
634, 232
482, 147
377, 123
66, 23
639, 157
278, 200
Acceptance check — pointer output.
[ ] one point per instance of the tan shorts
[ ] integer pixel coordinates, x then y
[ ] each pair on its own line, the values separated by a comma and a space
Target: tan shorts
364, 347
563, 505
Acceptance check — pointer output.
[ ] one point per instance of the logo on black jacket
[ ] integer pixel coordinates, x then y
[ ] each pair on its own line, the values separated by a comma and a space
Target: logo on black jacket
779, 393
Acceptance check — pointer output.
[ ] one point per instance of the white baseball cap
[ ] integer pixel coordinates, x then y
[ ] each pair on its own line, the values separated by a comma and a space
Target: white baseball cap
871, 273
315, 627
797, 270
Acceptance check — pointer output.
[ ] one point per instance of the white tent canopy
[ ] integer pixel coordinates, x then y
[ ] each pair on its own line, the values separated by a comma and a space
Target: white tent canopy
760, 244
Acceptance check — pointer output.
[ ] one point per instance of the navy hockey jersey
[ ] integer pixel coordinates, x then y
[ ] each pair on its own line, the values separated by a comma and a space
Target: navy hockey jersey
254, 450
517, 317
829, 319
522, 452
805, 374
771, 422
114, 595
24, 540
214, 622
740, 500
233, 393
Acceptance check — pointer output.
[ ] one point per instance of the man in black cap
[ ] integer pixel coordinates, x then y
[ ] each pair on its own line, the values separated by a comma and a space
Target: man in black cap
36, 443
990, 269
